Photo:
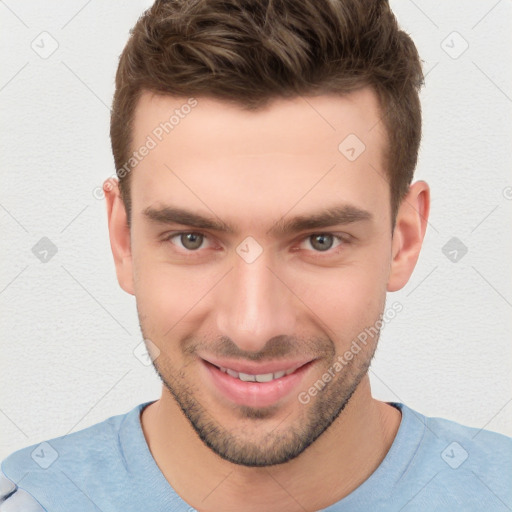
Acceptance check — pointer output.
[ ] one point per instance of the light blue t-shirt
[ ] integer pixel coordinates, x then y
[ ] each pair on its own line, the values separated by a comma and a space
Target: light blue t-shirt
433, 465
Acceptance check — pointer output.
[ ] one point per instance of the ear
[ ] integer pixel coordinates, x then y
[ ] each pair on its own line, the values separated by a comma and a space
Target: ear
119, 233
410, 227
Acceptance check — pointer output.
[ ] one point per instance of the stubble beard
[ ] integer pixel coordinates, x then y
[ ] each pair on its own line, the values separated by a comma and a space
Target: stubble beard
276, 446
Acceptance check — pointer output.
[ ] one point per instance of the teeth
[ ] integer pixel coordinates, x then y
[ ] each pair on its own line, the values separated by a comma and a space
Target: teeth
264, 377
246, 377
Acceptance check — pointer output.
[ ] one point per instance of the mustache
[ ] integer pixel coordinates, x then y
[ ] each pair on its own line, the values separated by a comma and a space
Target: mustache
275, 348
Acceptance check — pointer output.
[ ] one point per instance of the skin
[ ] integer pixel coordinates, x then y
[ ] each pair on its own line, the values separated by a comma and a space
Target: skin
253, 169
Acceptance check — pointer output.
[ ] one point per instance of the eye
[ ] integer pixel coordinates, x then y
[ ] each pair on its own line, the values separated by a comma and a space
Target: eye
322, 242
190, 241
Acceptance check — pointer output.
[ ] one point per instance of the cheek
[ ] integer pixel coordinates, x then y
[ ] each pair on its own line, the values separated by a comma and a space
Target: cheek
170, 296
346, 300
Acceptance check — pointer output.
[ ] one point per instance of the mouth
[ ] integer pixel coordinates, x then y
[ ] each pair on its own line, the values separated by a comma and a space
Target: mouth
254, 385
261, 377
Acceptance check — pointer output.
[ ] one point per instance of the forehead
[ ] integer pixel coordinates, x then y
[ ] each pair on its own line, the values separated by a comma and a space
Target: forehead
317, 120
214, 155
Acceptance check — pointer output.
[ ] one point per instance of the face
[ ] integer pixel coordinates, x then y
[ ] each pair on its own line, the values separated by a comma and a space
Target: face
258, 253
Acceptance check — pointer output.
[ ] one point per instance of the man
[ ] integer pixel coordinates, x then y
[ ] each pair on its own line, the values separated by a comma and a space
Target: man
265, 154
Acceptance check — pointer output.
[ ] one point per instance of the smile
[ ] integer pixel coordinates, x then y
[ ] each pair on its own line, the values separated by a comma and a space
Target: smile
255, 385
262, 377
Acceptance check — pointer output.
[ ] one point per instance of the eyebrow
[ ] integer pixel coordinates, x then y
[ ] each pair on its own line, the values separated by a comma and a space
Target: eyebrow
337, 215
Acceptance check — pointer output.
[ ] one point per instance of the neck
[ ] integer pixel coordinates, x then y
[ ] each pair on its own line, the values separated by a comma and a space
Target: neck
340, 460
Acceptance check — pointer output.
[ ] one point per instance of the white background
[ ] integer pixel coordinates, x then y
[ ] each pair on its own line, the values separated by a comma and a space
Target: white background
68, 331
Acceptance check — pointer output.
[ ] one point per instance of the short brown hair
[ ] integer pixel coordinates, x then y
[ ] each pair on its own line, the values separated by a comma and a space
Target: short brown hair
253, 51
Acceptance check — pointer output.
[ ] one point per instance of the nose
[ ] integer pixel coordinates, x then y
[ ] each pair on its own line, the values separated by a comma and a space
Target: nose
255, 305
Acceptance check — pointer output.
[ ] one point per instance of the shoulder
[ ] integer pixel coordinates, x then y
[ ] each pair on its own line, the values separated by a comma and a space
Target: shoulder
92, 445
478, 446
61, 464
462, 465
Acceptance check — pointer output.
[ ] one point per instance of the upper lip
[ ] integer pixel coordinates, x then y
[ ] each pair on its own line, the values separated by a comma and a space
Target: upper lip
253, 368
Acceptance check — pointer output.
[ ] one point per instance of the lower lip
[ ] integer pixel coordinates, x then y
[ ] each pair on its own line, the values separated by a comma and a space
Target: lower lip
255, 394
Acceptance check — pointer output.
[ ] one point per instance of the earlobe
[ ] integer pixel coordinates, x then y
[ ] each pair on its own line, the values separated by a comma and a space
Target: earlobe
410, 227
119, 233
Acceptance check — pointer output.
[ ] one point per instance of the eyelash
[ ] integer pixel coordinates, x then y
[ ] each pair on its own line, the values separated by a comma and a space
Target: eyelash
344, 239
